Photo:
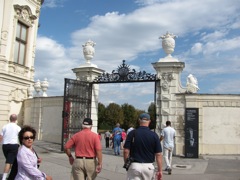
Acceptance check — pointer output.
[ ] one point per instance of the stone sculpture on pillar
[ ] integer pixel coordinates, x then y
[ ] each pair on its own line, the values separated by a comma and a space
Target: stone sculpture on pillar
168, 45
192, 84
37, 87
44, 86
88, 51
30, 90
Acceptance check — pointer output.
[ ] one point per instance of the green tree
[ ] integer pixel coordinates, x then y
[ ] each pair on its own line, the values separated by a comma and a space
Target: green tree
102, 121
130, 116
114, 114
152, 113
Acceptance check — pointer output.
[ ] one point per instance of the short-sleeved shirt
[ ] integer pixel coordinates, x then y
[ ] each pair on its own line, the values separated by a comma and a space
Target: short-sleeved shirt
168, 133
10, 133
146, 145
130, 129
117, 131
85, 143
124, 135
107, 134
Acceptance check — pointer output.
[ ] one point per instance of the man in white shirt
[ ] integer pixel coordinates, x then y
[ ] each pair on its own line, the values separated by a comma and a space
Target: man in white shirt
9, 136
168, 135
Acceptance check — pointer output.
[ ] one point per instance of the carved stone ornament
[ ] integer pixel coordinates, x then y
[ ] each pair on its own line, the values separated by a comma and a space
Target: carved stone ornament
25, 13
44, 87
167, 76
18, 95
168, 43
4, 35
88, 50
192, 84
83, 78
165, 86
30, 90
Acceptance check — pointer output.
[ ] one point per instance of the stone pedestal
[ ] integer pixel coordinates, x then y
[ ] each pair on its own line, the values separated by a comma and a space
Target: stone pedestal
168, 86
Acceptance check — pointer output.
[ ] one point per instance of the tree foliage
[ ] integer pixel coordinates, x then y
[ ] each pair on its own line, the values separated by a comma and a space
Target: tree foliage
114, 114
152, 113
130, 116
101, 115
126, 115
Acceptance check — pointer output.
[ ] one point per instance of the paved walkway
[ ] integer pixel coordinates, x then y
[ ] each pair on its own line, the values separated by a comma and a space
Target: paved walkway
55, 163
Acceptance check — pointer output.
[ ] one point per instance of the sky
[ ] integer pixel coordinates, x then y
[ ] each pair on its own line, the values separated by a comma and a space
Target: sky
208, 42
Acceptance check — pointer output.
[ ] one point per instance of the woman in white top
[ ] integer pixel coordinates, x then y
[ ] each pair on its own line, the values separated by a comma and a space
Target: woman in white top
27, 158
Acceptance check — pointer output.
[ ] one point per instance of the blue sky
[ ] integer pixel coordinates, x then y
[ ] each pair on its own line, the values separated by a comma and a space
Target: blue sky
208, 42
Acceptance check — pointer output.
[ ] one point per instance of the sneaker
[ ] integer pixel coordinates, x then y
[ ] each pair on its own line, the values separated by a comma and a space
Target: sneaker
169, 171
166, 169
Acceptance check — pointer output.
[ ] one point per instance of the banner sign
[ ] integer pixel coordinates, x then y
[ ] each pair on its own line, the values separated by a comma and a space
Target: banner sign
191, 132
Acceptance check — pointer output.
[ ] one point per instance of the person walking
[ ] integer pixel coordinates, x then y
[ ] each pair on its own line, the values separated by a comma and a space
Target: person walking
27, 158
87, 148
129, 130
117, 136
124, 136
9, 138
142, 147
168, 135
107, 138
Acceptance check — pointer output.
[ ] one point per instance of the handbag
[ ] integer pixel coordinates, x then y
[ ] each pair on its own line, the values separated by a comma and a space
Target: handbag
38, 165
130, 159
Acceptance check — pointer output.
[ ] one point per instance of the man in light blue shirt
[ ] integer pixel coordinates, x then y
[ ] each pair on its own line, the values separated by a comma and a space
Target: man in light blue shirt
168, 135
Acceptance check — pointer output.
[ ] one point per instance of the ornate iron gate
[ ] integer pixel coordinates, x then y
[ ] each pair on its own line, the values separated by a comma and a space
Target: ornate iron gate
76, 107
123, 74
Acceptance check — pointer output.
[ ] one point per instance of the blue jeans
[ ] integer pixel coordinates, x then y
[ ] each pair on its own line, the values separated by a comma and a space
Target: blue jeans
117, 145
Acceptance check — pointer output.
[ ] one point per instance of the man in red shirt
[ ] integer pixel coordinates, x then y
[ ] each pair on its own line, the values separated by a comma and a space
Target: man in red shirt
88, 153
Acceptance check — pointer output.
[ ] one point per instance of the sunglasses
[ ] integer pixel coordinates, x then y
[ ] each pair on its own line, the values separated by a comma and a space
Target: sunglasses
28, 137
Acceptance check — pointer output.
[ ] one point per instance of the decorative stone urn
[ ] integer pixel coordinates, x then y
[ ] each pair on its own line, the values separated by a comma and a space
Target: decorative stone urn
88, 51
30, 90
168, 43
37, 87
44, 86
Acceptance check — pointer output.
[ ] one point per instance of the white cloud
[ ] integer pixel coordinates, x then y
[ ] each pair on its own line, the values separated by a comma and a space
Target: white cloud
148, 2
196, 49
227, 85
222, 45
53, 63
53, 3
207, 41
214, 36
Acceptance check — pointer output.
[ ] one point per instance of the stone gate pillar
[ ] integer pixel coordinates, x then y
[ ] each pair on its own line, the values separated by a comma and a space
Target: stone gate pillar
168, 72
88, 72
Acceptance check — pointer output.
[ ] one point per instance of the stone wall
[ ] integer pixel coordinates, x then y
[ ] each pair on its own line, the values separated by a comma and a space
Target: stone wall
45, 115
218, 122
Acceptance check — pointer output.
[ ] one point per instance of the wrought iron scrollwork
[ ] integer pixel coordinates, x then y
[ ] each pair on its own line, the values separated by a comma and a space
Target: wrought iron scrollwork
125, 74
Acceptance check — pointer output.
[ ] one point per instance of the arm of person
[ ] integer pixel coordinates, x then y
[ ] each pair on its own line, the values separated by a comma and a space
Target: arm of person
161, 138
69, 154
125, 154
67, 150
1, 138
99, 158
159, 164
48, 177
